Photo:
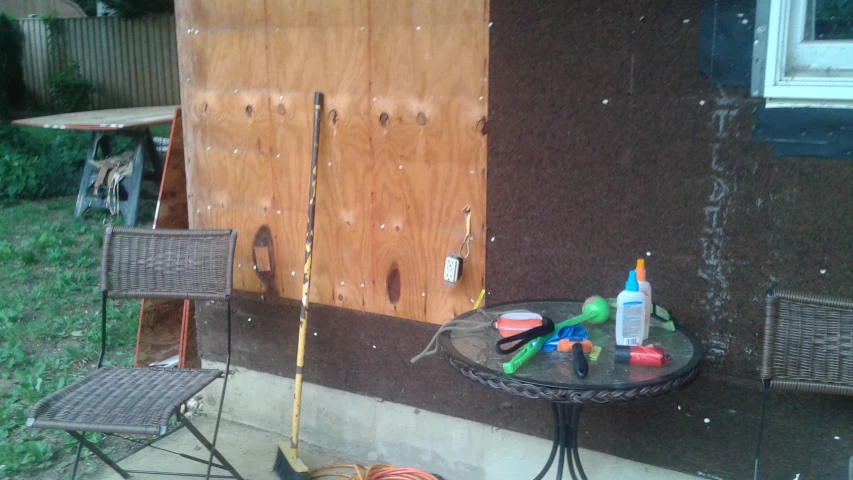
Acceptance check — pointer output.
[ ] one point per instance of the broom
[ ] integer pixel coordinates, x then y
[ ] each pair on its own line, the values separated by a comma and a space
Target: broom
288, 466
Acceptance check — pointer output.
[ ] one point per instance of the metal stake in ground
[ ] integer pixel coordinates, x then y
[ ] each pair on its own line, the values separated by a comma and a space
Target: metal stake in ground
288, 466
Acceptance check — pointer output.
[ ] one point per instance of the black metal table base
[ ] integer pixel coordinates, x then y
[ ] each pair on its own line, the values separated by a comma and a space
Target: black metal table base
565, 447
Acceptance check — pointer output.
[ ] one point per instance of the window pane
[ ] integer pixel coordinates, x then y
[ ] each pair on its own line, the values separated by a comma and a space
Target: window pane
829, 20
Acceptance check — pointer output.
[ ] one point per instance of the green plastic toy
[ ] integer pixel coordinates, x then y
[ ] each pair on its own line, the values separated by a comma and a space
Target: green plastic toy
595, 310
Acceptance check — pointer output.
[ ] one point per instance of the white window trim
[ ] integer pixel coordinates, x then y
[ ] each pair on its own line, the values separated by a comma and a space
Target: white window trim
803, 88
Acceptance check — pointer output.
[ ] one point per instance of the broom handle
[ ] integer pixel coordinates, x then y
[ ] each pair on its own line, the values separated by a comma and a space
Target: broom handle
306, 279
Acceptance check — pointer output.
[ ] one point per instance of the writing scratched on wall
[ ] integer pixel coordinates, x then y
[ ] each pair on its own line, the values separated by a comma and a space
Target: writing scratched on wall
713, 267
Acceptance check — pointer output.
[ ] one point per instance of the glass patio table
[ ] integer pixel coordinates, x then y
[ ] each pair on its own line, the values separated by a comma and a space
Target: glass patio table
550, 377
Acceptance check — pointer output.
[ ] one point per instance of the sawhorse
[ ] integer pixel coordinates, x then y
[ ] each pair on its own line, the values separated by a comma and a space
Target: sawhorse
145, 152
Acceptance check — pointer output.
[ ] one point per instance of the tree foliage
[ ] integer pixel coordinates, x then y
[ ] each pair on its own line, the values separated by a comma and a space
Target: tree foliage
88, 6
70, 90
140, 8
12, 91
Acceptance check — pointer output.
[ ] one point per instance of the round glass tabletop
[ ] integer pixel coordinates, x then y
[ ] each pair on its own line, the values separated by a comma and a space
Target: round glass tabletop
476, 349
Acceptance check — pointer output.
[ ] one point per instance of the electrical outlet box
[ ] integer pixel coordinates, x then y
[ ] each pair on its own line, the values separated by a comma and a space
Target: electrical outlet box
452, 269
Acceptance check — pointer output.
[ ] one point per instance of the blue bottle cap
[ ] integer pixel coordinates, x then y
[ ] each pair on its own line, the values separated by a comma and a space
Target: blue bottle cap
631, 285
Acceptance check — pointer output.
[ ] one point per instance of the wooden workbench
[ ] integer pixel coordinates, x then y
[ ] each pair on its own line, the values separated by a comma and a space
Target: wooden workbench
134, 123
104, 120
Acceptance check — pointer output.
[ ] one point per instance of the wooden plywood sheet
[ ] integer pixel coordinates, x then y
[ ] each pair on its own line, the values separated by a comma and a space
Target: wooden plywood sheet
114, 119
167, 327
327, 38
159, 334
405, 86
429, 63
172, 202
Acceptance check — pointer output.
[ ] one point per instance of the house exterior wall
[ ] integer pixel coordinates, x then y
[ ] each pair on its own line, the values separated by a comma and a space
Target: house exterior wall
607, 144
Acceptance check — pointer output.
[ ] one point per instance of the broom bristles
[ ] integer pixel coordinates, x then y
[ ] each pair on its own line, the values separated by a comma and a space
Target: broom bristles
287, 467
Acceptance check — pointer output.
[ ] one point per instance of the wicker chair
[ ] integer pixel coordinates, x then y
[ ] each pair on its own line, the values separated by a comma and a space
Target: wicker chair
808, 347
137, 263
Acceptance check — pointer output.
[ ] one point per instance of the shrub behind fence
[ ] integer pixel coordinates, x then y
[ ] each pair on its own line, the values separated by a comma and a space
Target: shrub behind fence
132, 63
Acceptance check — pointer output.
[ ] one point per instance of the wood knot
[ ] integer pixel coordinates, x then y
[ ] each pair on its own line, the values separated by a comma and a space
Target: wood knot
204, 107
281, 109
383, 119
340, 297
333, 117
392, 284
483, 126
249, 110
422, 120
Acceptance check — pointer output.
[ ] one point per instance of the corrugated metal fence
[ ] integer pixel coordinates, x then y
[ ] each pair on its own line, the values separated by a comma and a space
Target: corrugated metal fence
133, 63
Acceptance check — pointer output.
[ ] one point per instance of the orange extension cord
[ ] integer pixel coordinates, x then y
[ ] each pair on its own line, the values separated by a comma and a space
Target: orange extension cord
375, 472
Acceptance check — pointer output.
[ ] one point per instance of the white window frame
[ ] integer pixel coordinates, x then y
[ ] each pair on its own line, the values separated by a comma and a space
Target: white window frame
824, 77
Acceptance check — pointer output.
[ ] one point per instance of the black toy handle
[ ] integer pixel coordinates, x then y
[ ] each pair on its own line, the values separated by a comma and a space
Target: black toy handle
579, 363
524, 337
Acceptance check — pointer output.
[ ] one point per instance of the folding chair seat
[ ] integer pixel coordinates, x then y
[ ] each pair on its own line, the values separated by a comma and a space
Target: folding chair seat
154, 264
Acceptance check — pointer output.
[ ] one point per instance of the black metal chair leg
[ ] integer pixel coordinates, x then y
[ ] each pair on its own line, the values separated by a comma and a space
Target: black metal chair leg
555, 445
224, 386
76, 460
201, 438
760, 430
97, 451
216, 429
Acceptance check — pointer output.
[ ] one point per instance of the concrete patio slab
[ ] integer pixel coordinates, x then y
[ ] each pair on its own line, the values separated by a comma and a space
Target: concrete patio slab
343, 427
252, 451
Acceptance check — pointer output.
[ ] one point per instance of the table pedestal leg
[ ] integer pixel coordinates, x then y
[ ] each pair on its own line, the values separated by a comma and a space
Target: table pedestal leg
574, 412
566, 420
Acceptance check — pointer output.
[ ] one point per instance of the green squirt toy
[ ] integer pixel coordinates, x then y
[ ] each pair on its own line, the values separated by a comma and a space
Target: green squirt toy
595, 310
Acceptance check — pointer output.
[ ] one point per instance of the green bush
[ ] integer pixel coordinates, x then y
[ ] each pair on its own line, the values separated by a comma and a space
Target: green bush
16, 176
136, 9
11, 72
88, 6
38, 167
70, 90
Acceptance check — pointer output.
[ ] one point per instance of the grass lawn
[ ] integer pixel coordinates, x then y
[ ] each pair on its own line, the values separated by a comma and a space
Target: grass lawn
50, 325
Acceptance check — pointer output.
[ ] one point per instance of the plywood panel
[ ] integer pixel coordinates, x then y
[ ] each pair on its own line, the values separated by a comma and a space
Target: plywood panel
404, 84
232, 121
319, 14
222, 14
172, 202
228, 60
324, 46
246, 277
430, 65
167, 327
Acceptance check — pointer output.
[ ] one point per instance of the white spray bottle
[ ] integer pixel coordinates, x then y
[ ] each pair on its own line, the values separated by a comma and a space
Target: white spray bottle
630, 314
646, 290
